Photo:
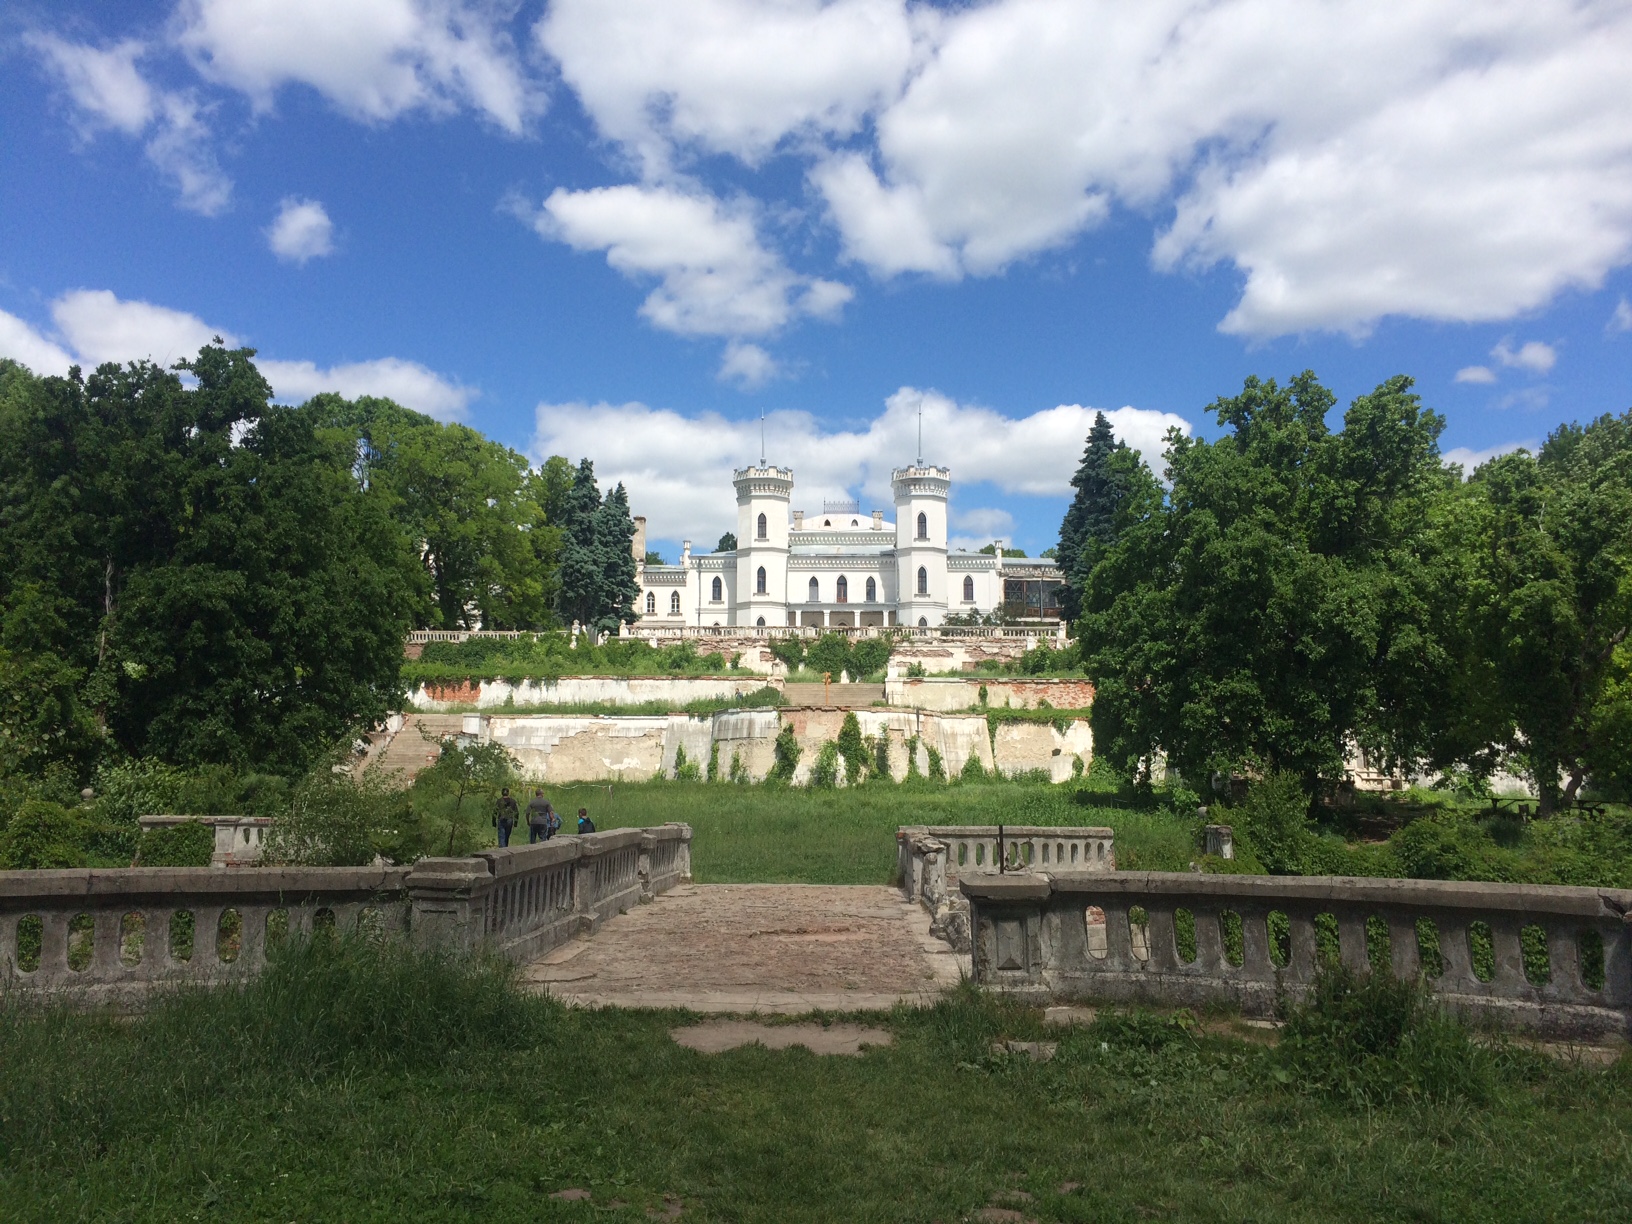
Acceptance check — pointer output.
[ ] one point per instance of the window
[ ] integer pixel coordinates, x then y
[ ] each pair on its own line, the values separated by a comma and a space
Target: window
760, 623
853, 523
842, 590
923, 622
674, 603
827, 522
923, 581
761, 534
815, 592
923, 526
872, 591
759, 581
968, 590
717, 590
651, 603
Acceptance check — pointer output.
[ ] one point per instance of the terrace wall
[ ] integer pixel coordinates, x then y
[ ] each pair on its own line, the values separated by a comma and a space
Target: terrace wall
587, 690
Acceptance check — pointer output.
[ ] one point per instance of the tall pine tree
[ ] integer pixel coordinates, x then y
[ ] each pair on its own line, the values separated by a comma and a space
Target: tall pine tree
1089, 526
580, 561
614, 538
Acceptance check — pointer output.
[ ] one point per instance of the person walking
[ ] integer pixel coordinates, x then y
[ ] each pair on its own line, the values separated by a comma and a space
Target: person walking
507, 815
585, 824
539, 813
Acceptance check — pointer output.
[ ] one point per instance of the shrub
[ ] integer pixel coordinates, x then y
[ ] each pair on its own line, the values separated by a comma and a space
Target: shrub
852, 748
1273, 821
189, 844
786, 752
685, 769
937, 765
43, 835
914, 774
972, 770
714, 761
824, 775
336, 821
881, 757
739, 771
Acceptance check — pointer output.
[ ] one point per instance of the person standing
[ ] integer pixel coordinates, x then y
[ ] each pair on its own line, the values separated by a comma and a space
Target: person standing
585, 824
509, 812
539, 812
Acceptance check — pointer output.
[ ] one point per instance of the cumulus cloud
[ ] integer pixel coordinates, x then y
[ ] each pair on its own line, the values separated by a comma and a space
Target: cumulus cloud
747, 366
301, 231
94, 326
1351, 162
665, 458
978, 526
109, 91
1476, 374
374, 59
1533, 355
715, 277
1468, 459
1621, 319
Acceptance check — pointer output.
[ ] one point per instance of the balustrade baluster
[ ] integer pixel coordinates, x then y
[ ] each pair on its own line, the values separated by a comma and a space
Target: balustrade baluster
1455, 955
1564, 962
1118, 937
1300, 966
1209, 943
1509, 955
1351, 941
1255, 960
1404, 957
1164, 946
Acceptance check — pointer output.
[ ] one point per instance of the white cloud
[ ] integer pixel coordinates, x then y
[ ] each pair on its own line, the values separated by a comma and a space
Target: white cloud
975, 528
23, 344
301, 231
670, 461
730, 76
96, 326
747, 365
1533, 355
1476, 374
715, 276
109, 91
1621, 320
374, 59
407, 382
1469, 459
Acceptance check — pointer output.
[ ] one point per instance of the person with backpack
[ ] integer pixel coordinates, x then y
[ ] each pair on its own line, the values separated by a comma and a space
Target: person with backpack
507, 815
540, 815
585, 824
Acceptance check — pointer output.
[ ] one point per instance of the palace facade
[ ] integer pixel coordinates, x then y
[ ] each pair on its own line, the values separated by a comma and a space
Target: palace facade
840, 568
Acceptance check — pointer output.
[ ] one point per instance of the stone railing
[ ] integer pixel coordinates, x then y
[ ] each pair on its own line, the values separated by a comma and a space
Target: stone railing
1126, 936
238, 839
111, 935
930, 859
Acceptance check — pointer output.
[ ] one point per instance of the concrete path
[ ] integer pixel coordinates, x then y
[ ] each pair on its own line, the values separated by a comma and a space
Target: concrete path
782, 948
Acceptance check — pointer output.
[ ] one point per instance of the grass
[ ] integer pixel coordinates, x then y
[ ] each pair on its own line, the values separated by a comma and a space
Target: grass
769, 834
348, 1084
762, 698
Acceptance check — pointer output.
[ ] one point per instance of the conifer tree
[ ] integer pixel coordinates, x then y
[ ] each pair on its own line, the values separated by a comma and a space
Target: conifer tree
614, 537
1108, 475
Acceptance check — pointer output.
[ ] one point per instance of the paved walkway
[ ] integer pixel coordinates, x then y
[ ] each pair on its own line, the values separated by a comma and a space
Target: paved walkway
783, 948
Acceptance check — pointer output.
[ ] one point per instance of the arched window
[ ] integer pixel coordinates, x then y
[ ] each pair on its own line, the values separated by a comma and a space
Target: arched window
717, 590
923, 581
842, 590
827, 522
923, 526
651, 603
761, 534
760, 623
674, 603
923, 622
853, 523
815, 592
759, 581
872, 591
968, 590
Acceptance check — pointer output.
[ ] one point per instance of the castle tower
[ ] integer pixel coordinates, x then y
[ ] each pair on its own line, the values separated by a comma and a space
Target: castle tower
920, 542
763, 495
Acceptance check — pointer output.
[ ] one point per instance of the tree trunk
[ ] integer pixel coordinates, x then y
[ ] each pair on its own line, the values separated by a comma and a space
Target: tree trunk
1578, 775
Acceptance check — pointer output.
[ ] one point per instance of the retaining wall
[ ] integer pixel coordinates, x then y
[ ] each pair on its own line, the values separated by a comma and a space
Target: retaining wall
957, 693
1072, 935
586, 690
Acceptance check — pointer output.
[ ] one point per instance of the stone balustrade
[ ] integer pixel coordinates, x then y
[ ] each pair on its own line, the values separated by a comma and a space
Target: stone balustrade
931, 859
97, 935
238, 839
1551, 960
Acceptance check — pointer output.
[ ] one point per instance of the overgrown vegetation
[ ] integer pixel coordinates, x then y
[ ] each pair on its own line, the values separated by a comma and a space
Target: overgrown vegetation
834, 654
549, 656
361, 1082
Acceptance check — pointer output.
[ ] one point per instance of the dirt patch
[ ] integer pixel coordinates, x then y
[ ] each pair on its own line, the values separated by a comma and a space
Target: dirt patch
716, 1036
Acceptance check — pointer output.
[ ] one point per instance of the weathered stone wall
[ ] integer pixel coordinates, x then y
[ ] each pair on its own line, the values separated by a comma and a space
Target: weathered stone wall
586, 690
1030, 747
955, 693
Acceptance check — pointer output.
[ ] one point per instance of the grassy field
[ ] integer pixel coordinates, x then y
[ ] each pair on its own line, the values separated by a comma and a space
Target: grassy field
750, 834
346, 1085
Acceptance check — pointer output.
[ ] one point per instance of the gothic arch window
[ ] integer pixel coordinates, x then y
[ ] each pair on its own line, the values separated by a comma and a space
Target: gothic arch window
923, 581
842, 590
815, 592
923, 526
761, 534
717, 590
759, 581
674, 603
968, 590
760, 623
651, 603
853, 523
872, 591
827, 522
923, 622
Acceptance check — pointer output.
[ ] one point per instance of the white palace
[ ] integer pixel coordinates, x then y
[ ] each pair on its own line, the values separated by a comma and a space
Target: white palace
841, 568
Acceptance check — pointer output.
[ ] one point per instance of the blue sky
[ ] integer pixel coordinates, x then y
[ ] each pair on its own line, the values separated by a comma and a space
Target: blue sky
626, 228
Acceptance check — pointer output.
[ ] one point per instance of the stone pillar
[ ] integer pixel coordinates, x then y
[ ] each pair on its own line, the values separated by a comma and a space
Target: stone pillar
447, 899
1219, 841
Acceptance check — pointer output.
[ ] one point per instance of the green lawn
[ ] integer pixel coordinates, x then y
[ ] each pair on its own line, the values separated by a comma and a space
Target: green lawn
754, 834
341, 1087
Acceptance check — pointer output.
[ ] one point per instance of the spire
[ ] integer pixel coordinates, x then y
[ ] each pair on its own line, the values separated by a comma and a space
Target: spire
920, 433
761, 437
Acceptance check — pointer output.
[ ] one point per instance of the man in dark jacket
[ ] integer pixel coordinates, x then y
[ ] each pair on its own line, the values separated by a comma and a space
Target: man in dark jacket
508, 814
539, 813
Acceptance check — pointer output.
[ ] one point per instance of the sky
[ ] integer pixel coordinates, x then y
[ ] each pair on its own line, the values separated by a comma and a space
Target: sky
630, 229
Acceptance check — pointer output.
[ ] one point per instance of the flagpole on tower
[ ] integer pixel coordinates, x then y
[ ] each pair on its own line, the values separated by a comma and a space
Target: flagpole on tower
762, 438
920, 433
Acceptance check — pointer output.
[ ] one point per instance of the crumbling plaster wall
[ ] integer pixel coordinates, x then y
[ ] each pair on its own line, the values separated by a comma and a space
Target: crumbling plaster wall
955, 693
571, 690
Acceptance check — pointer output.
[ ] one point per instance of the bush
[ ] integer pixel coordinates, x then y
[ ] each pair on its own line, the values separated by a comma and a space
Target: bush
972, 771
852, 748
189, 844
1273, 822
43, 835
685, 769
1373, 1038
824, 775
881, 757
336, 821
937, 765
787, 752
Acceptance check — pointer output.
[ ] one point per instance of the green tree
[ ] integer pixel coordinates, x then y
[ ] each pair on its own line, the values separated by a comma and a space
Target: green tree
728, 543
852, 748
451, 794
1107, 477
614, 539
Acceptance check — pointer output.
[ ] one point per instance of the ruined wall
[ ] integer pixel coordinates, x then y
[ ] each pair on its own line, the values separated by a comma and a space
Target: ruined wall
1027, 747
954, 693
572, 690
